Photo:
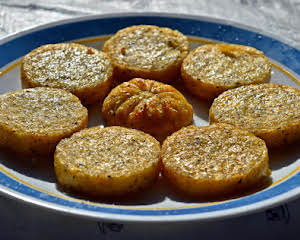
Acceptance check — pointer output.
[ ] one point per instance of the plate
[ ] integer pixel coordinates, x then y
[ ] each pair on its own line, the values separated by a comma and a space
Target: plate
33, 181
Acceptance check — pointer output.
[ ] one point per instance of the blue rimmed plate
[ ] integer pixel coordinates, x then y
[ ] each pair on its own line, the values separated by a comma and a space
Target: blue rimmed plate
33, 180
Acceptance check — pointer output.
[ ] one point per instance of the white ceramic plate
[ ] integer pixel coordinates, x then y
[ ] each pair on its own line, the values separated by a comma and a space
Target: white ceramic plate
33, 180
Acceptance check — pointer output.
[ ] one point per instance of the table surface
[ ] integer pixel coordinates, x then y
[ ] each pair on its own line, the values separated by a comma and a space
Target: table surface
278, 17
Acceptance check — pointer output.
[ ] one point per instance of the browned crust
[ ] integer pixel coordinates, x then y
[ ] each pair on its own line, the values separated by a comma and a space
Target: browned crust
34, 143
203, 87
106, 183
153, 107
95, 93
214, 186
125, 72
277, 135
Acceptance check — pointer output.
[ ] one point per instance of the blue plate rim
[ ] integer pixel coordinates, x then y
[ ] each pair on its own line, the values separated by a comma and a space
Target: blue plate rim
188, 215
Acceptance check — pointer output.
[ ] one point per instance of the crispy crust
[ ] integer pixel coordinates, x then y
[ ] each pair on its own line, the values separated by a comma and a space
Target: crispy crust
148, 52
270, 111
107, 162
214, 161
153, 107
84, 71
33, 121
214, 68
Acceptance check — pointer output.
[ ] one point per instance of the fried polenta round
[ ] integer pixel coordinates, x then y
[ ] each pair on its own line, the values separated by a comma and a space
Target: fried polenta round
214, 161
107, 162
84, 71
153, 107
270, 111
148, 52
33, 121
214, 68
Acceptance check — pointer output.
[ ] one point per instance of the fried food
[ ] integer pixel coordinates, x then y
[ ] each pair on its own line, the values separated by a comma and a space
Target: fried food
84, 71
107, 162
153, 107
148, 52
33, 121
270, 111
214, 68
214, 161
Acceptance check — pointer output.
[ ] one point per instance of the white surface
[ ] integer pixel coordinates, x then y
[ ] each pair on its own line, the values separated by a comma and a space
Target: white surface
280, 17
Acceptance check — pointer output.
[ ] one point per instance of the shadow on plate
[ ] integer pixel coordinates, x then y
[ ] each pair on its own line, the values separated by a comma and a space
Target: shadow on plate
200, 107
159, 193
283, 156
35, 167
42, 168
180, 197
151, 195
95, 118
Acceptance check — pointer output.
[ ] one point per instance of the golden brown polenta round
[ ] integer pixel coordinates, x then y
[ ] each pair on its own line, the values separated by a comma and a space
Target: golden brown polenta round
148, 52
214, 161
270, 111
107, 162
153, 107
33, 121
214, 68
84, 71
